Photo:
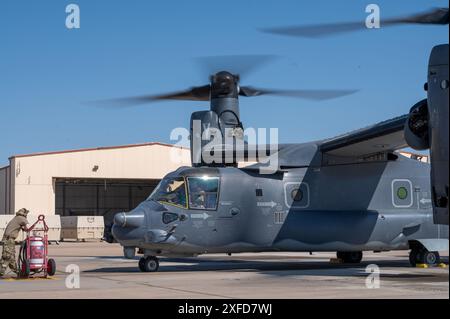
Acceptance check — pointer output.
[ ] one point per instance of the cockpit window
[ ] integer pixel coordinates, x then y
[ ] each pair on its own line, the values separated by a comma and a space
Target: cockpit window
171, 191
203, 192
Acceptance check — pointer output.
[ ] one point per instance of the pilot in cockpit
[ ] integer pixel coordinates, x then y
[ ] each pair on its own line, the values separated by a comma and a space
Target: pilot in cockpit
198, 196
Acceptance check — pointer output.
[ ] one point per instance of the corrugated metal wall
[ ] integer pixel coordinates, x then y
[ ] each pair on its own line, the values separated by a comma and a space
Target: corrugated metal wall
4, 190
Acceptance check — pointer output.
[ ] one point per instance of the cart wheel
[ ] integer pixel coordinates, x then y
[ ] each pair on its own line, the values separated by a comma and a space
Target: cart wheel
51, 267
24, 272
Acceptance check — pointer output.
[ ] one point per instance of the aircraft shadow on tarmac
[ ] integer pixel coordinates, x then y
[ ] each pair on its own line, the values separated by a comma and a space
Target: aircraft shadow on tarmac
279, 268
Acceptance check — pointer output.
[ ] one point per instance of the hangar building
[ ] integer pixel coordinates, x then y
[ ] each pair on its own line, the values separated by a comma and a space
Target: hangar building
87, 182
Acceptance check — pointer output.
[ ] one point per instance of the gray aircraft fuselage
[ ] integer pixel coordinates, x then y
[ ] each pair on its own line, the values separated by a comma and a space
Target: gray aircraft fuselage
376, 205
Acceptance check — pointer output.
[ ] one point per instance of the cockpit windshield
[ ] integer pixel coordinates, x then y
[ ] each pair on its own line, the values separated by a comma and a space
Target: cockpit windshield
203, 192
199, 193
171, 191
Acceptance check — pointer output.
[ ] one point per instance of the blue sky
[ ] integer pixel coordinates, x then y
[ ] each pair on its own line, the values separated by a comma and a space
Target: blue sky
128, 48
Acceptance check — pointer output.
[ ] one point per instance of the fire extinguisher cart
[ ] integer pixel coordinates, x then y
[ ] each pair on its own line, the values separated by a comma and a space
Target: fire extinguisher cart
33, 256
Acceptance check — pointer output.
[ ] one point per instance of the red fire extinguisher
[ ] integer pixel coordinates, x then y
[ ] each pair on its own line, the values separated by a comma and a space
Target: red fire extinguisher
33, 256
37, 252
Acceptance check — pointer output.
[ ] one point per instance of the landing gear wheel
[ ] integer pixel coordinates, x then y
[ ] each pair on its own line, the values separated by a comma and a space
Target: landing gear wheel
340, 255
430, 258
141, 264
148, 264
423, 256
51, 267
353, 257
438, 257
414, 257
350, 257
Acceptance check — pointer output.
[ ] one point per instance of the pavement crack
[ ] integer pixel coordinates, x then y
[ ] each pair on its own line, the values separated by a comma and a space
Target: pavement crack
168, 288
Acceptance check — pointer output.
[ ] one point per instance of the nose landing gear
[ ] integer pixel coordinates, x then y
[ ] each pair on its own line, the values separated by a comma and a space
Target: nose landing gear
129, 252
149, 264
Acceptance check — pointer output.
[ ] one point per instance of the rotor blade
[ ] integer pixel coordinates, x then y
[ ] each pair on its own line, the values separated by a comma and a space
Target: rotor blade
435, 17
316, 30
438, 16
200, 93
241, 65
317, 95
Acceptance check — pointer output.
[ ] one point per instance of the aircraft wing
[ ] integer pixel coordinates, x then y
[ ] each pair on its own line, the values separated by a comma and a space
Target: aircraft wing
384, 136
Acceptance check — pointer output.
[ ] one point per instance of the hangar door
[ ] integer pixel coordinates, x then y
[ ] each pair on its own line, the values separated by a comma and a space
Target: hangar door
100, 197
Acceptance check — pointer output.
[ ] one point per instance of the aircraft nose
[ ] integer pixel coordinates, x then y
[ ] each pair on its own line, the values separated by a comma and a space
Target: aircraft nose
120, 219
132, 219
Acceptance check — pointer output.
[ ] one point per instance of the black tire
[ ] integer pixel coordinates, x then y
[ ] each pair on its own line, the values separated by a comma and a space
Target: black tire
149, 264
414, 257
51, 267
438, 257
24, 272
340, 255
430, 258
423, 256
350, 257
141, 264
354, 257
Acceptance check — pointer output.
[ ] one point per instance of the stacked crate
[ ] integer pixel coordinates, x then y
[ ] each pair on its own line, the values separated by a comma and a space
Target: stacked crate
82, 228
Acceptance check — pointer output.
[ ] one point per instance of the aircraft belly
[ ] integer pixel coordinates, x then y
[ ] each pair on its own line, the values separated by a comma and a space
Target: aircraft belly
353, 230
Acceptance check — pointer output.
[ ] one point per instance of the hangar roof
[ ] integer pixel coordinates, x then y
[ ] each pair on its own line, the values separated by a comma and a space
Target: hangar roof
96, 149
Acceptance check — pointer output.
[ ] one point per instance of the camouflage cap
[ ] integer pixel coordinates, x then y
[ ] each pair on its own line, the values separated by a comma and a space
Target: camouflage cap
23, 212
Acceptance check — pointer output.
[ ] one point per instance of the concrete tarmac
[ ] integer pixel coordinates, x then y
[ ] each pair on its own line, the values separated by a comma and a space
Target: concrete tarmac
104, 273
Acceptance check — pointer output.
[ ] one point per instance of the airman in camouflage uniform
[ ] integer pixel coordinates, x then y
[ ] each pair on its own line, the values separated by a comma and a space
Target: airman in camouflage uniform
9, 238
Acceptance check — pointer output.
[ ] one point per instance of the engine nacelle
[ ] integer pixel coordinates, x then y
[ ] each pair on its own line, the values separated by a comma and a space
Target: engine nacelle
427, 128
203, 123
438, 105
215, 139
417, 127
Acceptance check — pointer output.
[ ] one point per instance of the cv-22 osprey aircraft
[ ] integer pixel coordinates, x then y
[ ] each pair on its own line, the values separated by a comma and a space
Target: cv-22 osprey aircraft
349, 194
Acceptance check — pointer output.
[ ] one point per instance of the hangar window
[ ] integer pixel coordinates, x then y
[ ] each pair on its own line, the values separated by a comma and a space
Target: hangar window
203, 192
171, 191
